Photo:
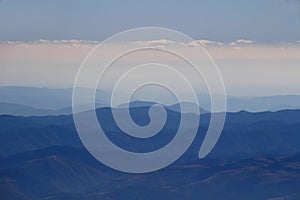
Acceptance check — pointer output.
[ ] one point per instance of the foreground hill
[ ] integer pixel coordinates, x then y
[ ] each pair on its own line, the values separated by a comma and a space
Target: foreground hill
257, 157
71, 173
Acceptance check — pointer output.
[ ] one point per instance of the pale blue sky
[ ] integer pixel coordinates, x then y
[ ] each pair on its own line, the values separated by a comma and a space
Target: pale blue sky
265, 21
266, 63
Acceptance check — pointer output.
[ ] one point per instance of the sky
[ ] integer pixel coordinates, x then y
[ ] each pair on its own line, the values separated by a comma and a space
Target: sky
256, 44
260, 20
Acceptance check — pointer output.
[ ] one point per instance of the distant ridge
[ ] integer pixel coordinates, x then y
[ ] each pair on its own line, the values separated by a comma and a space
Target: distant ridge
191, 107
46, 100
245, 134
23, 110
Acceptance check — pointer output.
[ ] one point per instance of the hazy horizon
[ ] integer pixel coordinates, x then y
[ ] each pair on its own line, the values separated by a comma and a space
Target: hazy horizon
255, 44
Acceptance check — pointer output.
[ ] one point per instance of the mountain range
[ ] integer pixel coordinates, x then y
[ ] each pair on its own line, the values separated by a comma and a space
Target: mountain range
71, 173
256, 157
31, 101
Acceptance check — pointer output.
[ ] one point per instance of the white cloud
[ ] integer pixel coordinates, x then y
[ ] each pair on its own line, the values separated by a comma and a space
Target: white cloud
210, 42
67, 43
161, 42
244, 41
165, 42
241, 42
60, 43
197, 43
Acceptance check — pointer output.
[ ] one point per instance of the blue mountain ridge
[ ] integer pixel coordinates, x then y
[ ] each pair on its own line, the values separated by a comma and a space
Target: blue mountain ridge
256, 157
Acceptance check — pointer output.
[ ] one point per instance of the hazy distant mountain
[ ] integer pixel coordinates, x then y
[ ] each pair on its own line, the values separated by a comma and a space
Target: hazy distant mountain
191, 107
56, 99
18, 109
135, 104
45, 98
22, 110
269, 103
